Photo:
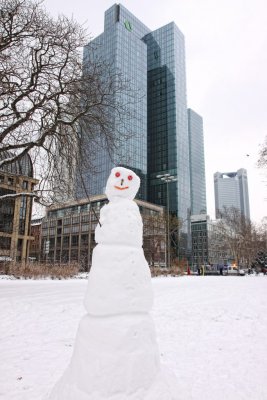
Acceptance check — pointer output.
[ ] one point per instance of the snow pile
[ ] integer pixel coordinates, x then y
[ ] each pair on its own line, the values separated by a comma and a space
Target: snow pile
116, 355
9, 277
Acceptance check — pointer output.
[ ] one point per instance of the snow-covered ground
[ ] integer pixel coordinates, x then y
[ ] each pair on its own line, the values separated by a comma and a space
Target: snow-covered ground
212, 332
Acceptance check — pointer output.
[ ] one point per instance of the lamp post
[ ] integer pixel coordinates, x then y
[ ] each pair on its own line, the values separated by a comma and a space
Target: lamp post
167, 178
180, 225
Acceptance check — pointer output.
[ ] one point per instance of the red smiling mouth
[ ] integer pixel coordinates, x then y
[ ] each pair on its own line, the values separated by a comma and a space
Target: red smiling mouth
121, 188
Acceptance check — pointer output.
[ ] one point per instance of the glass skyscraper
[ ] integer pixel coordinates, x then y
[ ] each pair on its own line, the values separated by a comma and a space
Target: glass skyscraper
231, 190
168, 147
122, 47
197, 163
154, 63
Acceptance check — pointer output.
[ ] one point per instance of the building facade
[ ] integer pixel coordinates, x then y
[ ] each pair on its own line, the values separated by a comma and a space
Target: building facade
16, 183
35, 244
231, 190
208, 246
197, 163
154, 64
68, 232
200, 243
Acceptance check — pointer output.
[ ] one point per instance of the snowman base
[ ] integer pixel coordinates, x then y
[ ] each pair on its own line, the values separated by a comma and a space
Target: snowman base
124, 362
164, 387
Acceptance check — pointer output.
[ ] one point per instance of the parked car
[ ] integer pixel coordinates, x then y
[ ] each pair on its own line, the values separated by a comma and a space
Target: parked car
234, 271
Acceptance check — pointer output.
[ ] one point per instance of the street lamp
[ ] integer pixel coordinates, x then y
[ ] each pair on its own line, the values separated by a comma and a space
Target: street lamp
180, 225
167, 178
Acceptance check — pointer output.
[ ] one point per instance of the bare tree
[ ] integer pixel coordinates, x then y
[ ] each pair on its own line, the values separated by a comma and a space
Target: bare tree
238, 236
155, 239
50, 103
262, 161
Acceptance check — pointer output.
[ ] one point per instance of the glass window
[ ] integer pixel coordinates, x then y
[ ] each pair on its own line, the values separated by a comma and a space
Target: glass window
5, 243
75, 228
6, 211
25, 184
85, 228
66, 229
84, 240
76, 219
85, 218
66, 241
22, 215
10, 181
74, 240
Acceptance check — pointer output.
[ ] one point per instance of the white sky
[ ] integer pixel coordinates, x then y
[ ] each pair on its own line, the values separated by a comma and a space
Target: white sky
226, 65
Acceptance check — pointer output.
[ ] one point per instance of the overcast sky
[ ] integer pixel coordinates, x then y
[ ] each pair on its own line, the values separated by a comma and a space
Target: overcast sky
226, 66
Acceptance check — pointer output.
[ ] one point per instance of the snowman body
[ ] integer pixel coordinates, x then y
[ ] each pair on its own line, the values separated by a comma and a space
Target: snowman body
119, 281
116, 356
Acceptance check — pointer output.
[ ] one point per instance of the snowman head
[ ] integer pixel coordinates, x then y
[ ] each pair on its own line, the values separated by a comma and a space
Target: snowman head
122, 183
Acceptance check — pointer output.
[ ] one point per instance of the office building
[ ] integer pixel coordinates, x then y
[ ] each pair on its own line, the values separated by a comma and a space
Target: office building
154, 63
231, 190
197, 163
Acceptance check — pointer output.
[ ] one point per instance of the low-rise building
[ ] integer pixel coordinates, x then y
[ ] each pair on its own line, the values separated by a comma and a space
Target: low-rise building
68, 231
16, 185
208, 246
199, 234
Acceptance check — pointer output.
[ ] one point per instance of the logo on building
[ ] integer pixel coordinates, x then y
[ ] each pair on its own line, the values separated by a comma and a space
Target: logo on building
128, 26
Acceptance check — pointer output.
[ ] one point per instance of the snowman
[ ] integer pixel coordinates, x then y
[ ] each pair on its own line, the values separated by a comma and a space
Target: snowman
116, 356
119, 281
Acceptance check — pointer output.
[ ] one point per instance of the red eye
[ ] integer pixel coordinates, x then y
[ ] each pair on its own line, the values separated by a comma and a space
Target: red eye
130, 177
117, 174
